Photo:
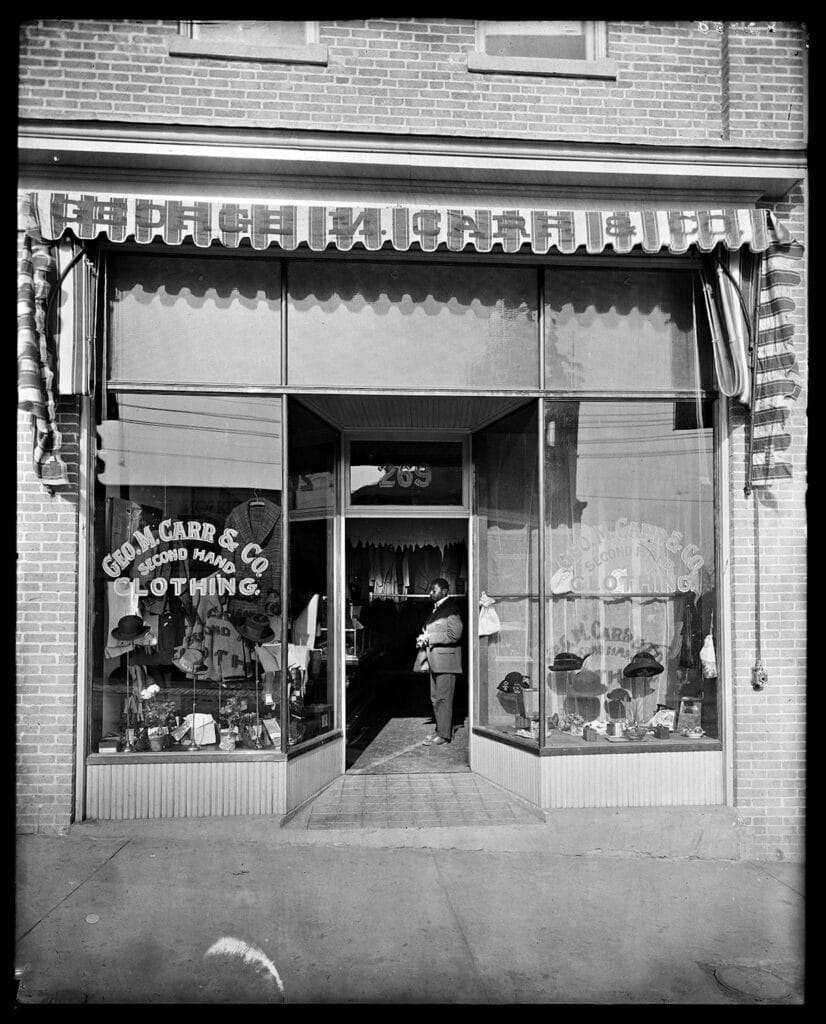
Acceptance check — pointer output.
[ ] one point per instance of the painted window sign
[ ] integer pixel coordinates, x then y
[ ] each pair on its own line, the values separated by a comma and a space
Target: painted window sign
406, 476
406, 473
189, 549
628, 557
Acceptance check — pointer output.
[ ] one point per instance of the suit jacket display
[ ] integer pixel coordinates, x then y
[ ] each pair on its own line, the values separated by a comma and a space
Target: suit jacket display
444, 632
257, 521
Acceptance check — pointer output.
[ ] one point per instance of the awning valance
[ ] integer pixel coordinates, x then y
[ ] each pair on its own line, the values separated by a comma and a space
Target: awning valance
289, 225
751, 322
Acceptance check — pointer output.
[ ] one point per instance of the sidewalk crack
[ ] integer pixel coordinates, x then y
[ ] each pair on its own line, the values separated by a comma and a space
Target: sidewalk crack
476, 969
28, 931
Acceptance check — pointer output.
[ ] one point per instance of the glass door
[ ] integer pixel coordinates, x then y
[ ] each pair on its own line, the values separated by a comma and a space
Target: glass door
506, 592
313, 601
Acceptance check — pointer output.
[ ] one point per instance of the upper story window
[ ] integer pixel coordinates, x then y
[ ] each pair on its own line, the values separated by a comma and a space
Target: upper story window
292, 42
576, 49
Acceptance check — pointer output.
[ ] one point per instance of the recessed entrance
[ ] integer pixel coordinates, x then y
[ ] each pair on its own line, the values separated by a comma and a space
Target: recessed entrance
389, 564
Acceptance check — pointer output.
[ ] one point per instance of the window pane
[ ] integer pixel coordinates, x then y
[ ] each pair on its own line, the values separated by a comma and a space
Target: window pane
505, 456
561, 40
312, 644
616, 329
405, 473
276, 33
366, 324
189, 564
630, 565
190, 320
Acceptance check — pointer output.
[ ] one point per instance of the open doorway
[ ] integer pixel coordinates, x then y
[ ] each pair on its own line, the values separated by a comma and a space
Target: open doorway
389, 564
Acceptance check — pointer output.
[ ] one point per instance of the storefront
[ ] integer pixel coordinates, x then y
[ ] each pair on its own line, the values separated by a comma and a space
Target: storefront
296, 415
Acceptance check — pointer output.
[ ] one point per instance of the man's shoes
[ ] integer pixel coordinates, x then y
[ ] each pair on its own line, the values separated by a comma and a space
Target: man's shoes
433, 741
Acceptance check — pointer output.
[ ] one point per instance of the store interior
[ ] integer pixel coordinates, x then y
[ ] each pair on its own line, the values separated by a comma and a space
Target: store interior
389, 564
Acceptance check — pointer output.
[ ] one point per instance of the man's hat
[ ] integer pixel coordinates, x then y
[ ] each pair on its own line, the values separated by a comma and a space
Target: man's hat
256, 628
130, 627
568, 662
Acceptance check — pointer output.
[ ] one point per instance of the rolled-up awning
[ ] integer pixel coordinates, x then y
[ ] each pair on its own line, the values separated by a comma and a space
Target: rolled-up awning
726, 232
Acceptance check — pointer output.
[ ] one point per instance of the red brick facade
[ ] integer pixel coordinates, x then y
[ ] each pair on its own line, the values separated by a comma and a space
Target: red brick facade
677, 84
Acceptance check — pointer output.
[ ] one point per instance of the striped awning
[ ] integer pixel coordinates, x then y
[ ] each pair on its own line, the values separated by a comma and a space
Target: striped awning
723, 232
144, 219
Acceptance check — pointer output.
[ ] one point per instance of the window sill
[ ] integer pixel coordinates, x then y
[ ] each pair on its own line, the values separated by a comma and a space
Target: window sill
184, 757
484, 64
564, 745
312, 53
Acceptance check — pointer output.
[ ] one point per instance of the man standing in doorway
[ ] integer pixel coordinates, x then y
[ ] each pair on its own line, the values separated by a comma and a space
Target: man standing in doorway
440, 636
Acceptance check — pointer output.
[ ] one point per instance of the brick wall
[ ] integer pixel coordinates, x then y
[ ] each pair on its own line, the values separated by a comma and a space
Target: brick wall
403, 75
46, 621
677, 84
769, 725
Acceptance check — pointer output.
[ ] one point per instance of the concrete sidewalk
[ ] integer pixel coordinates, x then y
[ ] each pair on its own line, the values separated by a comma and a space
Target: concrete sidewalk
241, 911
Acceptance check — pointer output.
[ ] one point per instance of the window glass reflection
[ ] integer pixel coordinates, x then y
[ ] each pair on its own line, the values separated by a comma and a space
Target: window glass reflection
507, 501
611, 330
630, 570
187, 576
371, 324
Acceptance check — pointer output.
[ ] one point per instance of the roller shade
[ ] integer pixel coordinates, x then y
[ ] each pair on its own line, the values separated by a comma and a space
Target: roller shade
726, 232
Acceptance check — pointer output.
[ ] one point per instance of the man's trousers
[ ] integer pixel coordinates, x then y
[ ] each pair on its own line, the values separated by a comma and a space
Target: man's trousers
442, 686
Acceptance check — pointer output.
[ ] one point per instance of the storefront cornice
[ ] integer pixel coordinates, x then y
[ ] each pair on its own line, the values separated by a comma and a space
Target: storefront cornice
310, 160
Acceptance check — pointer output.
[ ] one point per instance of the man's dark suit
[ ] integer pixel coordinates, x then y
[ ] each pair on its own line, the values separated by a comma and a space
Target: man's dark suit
444, 656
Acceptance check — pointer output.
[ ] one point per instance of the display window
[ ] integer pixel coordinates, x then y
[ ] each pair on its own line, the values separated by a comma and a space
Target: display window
630, 573
624, 570
188, 574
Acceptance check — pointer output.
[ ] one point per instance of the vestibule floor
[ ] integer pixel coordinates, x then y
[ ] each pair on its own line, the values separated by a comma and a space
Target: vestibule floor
399, 719
411, 800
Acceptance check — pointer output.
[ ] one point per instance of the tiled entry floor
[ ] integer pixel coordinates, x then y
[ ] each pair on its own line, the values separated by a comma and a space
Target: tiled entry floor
413, 800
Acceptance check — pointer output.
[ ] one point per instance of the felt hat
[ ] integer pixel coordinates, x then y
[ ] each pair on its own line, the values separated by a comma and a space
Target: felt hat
568, 662
130, 627
587, 684
642, 664
618, 694
512, 683
256, 628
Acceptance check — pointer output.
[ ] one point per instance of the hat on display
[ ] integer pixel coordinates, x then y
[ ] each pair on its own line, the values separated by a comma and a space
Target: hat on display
618, 694
568, 662
512, 683
130, 627
192, 660
256, 628
642, 664
587, 684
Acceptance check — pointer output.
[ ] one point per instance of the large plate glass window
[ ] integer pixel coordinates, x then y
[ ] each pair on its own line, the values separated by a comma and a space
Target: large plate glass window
366, 324
188, 574
630, 572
